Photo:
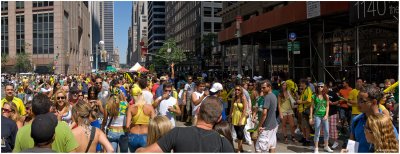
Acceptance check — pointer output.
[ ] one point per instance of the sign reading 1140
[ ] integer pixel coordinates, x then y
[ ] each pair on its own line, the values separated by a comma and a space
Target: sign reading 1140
373, 10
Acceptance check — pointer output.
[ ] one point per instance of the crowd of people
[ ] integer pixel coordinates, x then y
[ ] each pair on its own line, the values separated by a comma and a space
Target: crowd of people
138, 112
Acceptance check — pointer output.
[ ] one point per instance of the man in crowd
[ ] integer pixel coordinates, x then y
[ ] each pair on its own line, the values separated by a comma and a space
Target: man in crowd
199, 138
187, 97
167, 105
268, 125
64, 140
10, 97
368, 101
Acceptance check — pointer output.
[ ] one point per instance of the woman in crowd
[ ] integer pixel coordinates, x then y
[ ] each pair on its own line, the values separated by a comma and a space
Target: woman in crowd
62, 107
238, 114
137, 121
158, 127
319, 112
379, 131
9, 111
286, 113
114, 120
29, 114
83, 133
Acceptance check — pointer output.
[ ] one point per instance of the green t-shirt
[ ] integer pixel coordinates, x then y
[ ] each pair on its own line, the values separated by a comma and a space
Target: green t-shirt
64, 139
319, 106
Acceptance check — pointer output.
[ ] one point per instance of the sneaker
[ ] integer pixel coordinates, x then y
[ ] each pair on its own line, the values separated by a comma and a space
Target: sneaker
335, 145
327, 149
316, 150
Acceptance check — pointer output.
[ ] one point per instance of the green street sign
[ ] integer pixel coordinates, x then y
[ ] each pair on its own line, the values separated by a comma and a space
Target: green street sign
294, 47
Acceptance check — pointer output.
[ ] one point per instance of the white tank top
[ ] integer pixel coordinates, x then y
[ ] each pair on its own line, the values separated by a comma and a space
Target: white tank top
163, 108
195, 107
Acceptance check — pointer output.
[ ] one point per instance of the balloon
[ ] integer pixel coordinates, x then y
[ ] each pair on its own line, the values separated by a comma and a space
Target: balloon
391, 87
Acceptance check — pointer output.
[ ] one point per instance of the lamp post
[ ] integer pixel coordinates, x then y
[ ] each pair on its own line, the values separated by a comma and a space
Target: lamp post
101, 43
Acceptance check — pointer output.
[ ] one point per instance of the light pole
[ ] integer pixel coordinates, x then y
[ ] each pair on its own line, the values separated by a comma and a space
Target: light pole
101, 43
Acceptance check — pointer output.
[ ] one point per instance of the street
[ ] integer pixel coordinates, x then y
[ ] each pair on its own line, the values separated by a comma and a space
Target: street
282, 147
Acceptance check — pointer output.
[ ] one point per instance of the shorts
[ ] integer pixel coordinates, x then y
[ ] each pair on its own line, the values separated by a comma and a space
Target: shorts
239, 132
289, 112
266, 140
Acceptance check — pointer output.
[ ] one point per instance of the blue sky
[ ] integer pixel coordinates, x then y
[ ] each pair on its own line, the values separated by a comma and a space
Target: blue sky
122, 21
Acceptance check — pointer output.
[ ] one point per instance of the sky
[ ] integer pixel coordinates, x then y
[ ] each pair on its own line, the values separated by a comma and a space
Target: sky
122, 21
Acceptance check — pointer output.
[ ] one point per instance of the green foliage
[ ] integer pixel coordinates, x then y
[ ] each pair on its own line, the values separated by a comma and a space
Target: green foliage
4, 60
152, 68
23, 63
164, 58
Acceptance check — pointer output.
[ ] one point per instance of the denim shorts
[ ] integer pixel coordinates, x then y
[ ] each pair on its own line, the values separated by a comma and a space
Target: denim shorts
136, 141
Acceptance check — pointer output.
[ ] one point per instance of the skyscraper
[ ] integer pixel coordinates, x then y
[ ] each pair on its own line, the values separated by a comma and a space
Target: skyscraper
55, 34
156, 25
107, 27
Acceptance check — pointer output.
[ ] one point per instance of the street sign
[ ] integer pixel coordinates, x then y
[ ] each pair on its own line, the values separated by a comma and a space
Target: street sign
313, 9
294, 47
292, 36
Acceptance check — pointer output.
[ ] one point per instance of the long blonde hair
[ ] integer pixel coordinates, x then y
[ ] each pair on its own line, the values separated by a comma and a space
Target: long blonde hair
15, 116
81, 112
58, 107
382, 130
158, 127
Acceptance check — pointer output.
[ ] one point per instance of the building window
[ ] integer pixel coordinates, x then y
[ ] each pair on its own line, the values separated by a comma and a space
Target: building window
43, 33
19, 5
217, 26
207, 26
20, 41
216, 10
207, 11
4, 35
42, 3
4, 6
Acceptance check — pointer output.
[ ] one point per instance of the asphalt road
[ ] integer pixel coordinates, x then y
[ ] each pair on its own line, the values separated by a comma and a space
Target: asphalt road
291, 147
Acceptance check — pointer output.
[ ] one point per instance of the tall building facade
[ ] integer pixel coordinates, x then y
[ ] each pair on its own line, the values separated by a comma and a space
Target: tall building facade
95, 32
156, 20
129, 48
188, 23
324, 40
55, 34
107, 27
141, 31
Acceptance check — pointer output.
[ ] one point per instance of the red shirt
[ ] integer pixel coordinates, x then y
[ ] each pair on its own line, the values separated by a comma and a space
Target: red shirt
345, 94
154, 89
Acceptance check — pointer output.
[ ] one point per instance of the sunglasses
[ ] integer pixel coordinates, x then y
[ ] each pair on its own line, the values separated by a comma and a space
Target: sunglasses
7, 110
98, 83
362, 101
320, 86
59, 98
167, 90
237, 89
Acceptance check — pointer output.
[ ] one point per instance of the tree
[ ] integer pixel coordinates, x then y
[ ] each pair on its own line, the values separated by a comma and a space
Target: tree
164, 58
23, 63
4, 60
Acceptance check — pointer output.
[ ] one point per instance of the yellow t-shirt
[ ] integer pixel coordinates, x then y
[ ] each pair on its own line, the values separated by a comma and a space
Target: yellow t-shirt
383, 108
305, 96
18, 102
353, 97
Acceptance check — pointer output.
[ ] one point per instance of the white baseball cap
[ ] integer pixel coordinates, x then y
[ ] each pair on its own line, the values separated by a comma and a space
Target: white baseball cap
216, 87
